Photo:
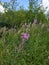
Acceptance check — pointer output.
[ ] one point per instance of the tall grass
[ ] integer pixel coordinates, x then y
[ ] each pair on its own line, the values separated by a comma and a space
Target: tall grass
35, 51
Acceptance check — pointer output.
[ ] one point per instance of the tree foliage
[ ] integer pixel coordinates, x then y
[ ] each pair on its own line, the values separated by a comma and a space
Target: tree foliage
13, 17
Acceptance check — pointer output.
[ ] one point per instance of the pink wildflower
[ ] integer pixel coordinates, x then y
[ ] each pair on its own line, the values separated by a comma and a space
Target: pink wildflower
25, 36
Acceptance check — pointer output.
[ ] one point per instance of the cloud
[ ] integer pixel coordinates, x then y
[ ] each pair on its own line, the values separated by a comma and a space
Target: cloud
1, 9
45, 4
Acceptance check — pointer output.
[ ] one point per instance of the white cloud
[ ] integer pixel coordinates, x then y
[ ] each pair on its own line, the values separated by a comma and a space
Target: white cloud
1, 9
45, 4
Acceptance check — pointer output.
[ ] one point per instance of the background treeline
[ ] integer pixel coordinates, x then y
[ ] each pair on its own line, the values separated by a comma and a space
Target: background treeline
12, 16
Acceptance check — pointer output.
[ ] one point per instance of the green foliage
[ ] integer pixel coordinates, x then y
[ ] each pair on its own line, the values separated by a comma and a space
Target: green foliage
11, 18
33, 4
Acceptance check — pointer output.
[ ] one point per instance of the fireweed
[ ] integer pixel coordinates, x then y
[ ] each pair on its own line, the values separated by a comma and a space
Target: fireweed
35, 21
47, 29
24, 38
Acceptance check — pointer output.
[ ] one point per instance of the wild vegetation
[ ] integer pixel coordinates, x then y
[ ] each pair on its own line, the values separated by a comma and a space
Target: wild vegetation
24, 35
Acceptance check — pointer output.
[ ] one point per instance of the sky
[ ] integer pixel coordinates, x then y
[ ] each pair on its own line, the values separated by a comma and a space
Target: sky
45, 4
25, 3
1, 9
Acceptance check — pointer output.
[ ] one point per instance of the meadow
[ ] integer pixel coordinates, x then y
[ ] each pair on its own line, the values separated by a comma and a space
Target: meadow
35, 50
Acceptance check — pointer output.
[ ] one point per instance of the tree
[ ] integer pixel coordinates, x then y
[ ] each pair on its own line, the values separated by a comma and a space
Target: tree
13, 4
6, 6
33, 4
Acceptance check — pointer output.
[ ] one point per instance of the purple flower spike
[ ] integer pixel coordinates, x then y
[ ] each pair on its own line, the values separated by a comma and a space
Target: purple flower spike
35, 21
26, 36
47, 29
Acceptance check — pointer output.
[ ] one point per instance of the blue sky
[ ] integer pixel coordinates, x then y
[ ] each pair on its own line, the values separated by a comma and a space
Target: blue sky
23, 3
